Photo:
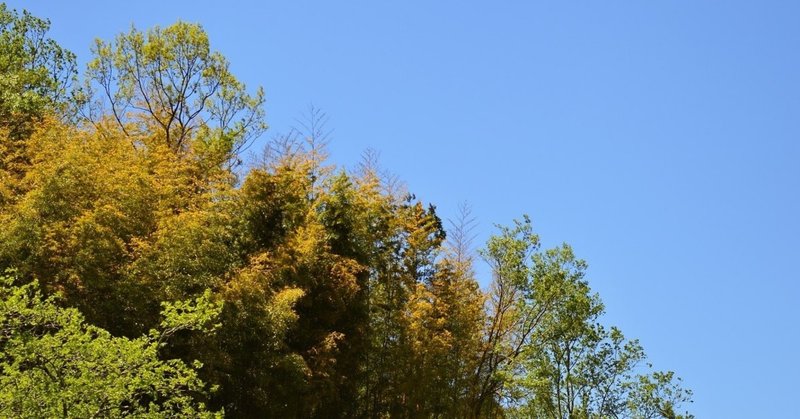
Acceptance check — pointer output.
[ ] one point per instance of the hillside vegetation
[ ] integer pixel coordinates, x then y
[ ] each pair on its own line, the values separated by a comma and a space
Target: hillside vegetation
148, 273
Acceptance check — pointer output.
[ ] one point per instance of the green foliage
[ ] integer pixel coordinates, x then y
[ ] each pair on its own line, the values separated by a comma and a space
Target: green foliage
55, 365
657, 395
548, 355
200, 313
35, 72
169, 80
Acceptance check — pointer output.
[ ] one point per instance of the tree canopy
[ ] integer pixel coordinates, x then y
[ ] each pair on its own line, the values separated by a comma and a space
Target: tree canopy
149, 277
169, 80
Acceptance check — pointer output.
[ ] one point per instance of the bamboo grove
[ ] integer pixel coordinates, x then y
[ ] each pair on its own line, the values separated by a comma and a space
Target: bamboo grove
146, 271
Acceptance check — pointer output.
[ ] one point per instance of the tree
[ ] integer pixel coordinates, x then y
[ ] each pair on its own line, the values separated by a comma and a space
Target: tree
55, 365
169, 80
407, 244
36, 76
517, 303
110, 226
657, 395
545, 352
445, 315
35, 72
577, 368
258, 373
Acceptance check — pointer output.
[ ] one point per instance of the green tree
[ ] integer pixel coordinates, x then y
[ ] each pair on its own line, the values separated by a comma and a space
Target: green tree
657, 395
169, 80
517, 305
574, 367
55, 365
545, 352
36, 74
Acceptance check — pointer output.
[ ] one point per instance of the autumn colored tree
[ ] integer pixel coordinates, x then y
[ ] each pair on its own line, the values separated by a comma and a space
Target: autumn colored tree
445, 325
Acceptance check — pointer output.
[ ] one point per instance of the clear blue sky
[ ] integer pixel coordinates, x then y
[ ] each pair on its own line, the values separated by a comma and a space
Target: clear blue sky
659, 138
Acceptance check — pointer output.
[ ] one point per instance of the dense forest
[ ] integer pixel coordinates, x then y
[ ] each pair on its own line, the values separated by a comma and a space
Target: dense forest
149, 269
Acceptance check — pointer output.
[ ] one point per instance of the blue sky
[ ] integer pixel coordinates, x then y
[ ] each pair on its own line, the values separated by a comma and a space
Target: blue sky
659, 138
